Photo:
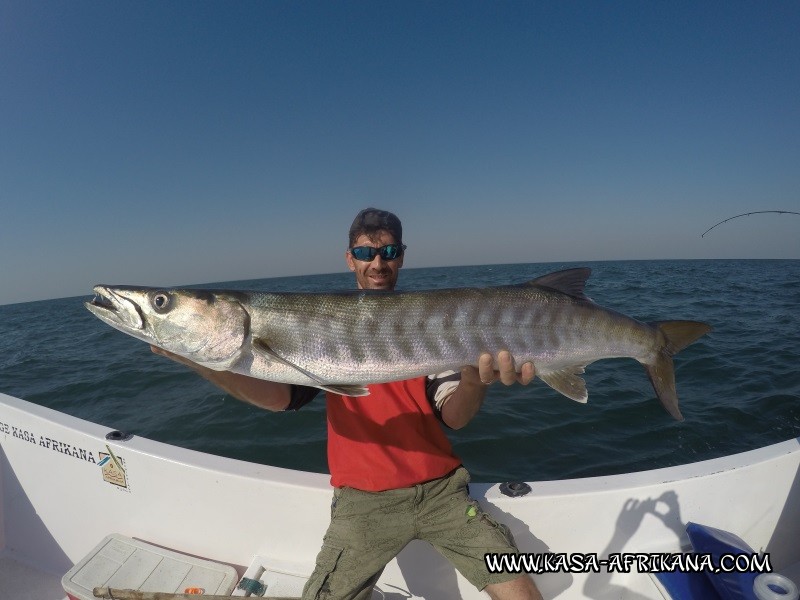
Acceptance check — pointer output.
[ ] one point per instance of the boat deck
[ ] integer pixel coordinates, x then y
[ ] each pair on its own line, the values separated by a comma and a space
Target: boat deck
19, 581
58, 501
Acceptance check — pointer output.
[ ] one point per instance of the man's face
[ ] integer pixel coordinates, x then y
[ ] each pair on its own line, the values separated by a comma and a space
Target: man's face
378, 274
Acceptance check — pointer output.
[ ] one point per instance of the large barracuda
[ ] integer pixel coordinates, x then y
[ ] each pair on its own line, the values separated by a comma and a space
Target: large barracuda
344, 341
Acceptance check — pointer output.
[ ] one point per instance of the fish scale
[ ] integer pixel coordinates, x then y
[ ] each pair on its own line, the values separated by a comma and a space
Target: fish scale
344, 341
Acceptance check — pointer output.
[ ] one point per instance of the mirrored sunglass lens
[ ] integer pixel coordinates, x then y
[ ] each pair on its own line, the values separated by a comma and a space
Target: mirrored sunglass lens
364, 252
367, 253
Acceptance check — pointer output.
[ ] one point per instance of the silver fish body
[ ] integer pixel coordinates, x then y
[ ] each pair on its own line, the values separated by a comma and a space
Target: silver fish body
344, 341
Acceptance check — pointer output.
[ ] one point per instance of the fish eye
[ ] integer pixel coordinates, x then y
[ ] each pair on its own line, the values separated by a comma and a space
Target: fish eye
160, 301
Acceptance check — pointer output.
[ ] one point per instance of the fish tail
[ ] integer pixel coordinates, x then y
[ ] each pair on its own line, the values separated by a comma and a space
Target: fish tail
676, 335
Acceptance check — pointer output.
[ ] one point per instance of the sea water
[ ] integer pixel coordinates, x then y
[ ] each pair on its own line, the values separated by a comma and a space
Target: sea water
739, 386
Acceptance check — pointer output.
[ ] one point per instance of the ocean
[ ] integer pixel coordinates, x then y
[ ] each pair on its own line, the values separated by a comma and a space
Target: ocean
739, 386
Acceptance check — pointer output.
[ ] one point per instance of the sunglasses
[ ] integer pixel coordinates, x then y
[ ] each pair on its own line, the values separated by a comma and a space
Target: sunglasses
387, 252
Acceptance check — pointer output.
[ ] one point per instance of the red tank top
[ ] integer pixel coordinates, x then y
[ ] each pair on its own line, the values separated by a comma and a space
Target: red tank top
390, 439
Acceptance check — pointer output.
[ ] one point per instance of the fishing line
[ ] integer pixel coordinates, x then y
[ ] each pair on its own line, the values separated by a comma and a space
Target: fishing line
757, 212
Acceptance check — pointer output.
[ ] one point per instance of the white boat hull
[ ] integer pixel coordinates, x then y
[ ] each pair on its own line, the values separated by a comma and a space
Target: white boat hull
57, 505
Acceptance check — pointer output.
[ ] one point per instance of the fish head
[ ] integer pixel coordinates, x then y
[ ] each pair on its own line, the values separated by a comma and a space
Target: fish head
206, 327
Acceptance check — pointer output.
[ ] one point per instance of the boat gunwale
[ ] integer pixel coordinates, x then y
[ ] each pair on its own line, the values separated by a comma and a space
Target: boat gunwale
294, 477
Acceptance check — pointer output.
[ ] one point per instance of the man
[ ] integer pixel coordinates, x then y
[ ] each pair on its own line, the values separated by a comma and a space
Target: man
394, 472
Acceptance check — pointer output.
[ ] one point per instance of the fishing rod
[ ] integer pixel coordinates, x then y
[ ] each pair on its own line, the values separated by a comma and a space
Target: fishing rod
757, 212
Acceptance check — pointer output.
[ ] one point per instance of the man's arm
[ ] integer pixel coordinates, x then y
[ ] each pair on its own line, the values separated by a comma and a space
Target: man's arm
264, 394
467, 398
457, 411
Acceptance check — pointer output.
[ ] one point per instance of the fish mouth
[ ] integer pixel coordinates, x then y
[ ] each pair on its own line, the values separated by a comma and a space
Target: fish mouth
114, 308
101, 301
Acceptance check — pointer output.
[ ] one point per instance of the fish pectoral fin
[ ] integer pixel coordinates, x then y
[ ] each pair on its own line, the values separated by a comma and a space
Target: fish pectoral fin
346, 390
260, 345
567, 381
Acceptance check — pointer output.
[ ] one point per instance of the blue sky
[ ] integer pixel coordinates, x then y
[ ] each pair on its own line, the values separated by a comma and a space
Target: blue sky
168, 143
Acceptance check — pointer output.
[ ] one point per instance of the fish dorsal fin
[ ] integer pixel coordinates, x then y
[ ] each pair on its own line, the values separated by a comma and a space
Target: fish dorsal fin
260, 345
569, 281
567, 381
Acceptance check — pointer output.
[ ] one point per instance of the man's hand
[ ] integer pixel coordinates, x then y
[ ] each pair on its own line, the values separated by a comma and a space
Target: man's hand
506, 372
459, 409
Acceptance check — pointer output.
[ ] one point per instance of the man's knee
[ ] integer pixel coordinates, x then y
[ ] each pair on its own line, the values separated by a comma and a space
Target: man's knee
521, 588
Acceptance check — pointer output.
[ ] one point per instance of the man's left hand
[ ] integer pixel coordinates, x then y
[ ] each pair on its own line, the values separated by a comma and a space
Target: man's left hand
506, 371
467, 398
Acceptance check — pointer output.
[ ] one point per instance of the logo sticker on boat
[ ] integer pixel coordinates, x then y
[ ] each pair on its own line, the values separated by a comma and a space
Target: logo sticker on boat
113, 469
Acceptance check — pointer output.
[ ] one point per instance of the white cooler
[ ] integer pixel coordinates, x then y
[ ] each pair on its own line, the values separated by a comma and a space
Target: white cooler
124, 563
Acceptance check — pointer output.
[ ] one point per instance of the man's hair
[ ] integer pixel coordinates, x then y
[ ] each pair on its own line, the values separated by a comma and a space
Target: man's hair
372, 220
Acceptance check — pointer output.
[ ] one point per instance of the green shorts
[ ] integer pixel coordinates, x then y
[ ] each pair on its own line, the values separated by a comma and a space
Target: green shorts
368, 529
